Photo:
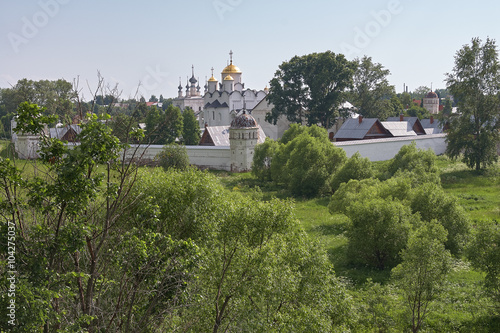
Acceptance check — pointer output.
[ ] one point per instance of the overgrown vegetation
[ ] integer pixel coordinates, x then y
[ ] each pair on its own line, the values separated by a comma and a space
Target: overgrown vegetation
106, 246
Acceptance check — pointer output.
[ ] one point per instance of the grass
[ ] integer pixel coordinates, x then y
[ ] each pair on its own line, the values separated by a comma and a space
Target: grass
463, 307
477, 192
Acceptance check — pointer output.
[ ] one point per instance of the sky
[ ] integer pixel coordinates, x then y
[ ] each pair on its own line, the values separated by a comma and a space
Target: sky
145, 46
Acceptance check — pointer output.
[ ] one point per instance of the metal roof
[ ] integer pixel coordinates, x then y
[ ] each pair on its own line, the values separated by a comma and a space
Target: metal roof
399, 128
220, 135
434, 128
353, 129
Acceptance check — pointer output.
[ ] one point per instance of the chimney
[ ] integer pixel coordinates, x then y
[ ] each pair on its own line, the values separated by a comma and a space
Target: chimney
432, 119
401, 117
360, 119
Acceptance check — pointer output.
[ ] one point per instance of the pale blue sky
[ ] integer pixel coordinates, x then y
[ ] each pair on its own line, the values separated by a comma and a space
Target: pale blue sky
157, 41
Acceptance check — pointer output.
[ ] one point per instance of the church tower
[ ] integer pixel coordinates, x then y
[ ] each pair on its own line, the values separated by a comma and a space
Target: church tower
243, 136
231, 70
212, 83
431, 102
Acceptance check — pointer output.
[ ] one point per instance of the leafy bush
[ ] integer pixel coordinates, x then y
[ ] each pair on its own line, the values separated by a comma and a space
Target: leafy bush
262, 159
305, 163
356, 167
173, 156
418, 164
379, 230
484, 254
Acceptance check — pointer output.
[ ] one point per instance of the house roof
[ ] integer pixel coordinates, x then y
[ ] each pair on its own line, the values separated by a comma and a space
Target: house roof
60, 132
431, 128
399, 128
219, 135
353, 129
414, 122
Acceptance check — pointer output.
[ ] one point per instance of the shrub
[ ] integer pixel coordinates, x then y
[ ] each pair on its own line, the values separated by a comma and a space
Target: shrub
173, 156
356, 167
262, 159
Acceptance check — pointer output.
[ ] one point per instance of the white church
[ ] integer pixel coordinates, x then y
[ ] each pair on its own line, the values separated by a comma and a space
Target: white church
226, 99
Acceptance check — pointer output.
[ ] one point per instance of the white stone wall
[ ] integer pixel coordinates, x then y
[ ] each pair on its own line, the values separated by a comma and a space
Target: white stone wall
385, 149
205, 157
26, 147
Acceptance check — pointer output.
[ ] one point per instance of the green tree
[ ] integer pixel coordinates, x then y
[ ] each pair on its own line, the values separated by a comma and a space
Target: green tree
422, 272
262, 159
379, 230
56, 96
173, 124
474, 81
371, 90
81, 267
310, 88
260, 272
418, 164
173, 156
356, 167
433, 204
163, 127
484, 254
191, 128
122, 125
447, 109
417, 111
306, 162
406, 100
420, 92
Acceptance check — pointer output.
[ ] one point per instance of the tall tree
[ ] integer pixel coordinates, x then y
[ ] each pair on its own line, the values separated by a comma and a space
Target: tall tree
475, 82
371, 90
163, 127
423, 270
310, 88
191, 128
420, 92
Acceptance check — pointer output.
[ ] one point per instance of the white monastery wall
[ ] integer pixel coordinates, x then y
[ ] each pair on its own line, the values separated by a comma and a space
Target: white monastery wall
385, 149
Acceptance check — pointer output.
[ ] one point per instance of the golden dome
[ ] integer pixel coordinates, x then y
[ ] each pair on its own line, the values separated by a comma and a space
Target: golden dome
228, 78
231, 69
212, 79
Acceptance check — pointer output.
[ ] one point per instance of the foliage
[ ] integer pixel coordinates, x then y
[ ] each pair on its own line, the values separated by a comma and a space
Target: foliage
432, 203
474, 81
371, 89
163, 127
305, 163
356, 167
484, 254
310, 88
423, 269
122, 125
56, 97
417, 111
79, 269
420, 163
191, 128
379, 231
262, 159
447, 109
173, 156
420, 92
259, 272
